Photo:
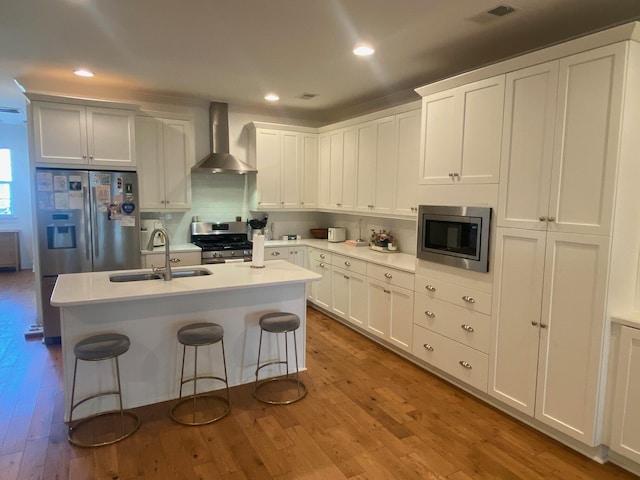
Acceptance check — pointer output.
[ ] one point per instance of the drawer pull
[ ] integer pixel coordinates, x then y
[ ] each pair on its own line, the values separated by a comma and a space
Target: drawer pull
275, 254
467, 328
430, 314
321, 265
431, 288
386, 291
347, 263
468, 299
543, 325
428, 347
388, 275
175, 260
466, 365
534, 323
346, 277
322, 255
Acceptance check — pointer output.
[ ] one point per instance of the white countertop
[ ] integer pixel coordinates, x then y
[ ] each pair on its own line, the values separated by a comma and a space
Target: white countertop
401, 261
87, 288
177, 248
630, 319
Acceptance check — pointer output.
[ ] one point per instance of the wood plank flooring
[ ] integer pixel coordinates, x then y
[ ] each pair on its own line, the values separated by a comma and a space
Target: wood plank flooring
369, 415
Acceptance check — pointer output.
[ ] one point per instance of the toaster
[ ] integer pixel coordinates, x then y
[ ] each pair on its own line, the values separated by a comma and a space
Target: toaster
336, 234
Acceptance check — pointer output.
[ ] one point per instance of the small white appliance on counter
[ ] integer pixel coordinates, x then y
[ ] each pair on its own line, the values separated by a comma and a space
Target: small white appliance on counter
148, 226
337, 234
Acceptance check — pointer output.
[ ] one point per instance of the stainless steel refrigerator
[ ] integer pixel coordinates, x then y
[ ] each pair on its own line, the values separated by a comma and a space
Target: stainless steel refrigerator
87, 221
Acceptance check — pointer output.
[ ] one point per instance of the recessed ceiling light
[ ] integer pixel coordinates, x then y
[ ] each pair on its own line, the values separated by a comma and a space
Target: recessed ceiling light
81, 72
271, 97
363, 50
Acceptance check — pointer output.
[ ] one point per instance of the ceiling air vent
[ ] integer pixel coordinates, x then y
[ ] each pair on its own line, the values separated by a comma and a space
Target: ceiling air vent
492, 15
9, 110
307, 96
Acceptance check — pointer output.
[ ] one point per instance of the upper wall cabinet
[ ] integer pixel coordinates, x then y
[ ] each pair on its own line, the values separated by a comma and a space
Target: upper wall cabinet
339, 154
72, 134
287, 163
165, 156
407, 159
561, 143
462, 133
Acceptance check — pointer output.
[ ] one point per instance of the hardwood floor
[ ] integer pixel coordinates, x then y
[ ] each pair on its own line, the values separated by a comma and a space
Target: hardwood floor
369, 414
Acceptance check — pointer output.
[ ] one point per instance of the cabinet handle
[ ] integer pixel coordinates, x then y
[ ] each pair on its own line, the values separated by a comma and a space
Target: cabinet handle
84, 156
388, 275
431, 288
430, 314
90, 157
346, 277
466, 365
543, 325
534, 323
339, 204
467, 328
455, 174
552, 219
322, 255
386, 291
428, 347
543, 219
175, 260
321, 265
451, 175
275, 254
281, 203
468, 299
347, 263
167, 201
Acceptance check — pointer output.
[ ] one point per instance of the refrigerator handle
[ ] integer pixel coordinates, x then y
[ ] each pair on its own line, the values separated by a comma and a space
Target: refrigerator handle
87, 229
96, 240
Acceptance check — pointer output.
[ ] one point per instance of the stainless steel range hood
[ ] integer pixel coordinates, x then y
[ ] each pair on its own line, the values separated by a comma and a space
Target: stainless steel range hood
219, 160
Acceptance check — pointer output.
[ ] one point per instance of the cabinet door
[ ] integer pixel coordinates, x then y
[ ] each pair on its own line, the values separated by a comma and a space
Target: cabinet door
439, 143
340, 293
385, 165
150, 154
586, 142
291, 170
309, 195
572, 331
481, 117
357, 299
517, 297
268, 156
401, 317
349, 169
60, 133
298, 256
324, 171
178, 158
379, 308
527, 146
365, 179
336, 157
625, 429
322, 288
111, 137
407, 159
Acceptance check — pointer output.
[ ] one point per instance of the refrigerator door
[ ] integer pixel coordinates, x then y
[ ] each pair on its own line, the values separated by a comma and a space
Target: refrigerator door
62, 201
115, 220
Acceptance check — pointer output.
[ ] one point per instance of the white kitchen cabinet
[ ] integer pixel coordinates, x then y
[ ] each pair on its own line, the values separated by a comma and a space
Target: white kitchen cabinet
72, 134
177, 259
165, 156
407, 157
342, 169
462, 133
349, 294
286, 160
547, 347
320, 262
324, 171
625, 429
376, 165
390, 315
561, 142
276, 253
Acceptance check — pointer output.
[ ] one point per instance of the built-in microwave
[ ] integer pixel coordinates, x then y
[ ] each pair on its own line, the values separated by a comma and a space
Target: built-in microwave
455, 236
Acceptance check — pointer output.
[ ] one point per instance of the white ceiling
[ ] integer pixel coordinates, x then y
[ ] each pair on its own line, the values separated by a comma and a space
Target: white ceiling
195, 51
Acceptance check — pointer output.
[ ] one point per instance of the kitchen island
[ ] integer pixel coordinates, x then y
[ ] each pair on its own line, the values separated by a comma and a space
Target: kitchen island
150, 312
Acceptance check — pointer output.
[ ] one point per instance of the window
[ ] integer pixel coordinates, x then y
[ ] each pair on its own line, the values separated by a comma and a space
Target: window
5, 182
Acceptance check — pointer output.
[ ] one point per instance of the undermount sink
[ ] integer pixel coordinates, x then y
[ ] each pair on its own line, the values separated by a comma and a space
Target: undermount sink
137, 277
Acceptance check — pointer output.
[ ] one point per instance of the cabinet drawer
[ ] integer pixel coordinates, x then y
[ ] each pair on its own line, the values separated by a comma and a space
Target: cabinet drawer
390, 275
350, 264
463, 296
181, 259
320, 256
276, 253
460, 324
459, 361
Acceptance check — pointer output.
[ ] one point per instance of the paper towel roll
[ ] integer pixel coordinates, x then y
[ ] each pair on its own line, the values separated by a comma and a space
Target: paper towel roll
257, 256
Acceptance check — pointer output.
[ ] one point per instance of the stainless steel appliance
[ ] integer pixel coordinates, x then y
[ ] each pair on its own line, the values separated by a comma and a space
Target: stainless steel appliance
86, 221
456, 236
222, 242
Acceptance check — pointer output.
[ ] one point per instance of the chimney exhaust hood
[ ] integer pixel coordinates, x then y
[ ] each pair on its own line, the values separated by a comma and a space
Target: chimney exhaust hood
219, 160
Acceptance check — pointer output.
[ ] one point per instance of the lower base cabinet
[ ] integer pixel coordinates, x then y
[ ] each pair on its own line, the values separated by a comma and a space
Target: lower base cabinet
390, 313
321, 290
179, 259
349, 296
625, 428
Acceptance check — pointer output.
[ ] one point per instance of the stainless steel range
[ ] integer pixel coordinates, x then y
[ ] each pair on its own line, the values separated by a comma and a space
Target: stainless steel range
222, 242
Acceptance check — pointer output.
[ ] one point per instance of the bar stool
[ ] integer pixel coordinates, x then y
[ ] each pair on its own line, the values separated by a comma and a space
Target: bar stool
96, 348
279, 322
199, 335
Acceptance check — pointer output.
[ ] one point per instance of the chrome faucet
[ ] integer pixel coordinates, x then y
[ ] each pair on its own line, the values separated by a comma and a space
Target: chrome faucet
166, 270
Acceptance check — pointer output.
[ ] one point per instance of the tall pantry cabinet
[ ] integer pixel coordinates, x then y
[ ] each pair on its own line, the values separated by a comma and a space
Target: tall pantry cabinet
560, 179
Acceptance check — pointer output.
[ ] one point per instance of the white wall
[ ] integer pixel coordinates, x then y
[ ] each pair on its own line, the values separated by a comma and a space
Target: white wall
14, 137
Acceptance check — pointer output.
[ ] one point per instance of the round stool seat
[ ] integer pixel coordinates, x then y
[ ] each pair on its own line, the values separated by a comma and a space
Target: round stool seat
279, 322
203, 333
101, 347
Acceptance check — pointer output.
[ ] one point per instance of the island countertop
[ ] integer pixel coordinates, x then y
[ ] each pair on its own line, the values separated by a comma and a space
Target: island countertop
95, 287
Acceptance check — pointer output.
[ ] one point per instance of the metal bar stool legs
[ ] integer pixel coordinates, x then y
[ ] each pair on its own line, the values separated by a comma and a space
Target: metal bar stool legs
279, 322
199, 335
93, 349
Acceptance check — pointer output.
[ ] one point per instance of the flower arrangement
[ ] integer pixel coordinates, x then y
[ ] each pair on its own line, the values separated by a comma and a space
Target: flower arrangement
381, 238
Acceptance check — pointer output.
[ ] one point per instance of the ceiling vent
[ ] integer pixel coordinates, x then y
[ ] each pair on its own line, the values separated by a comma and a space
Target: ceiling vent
307, 96
9, 110
492, 15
